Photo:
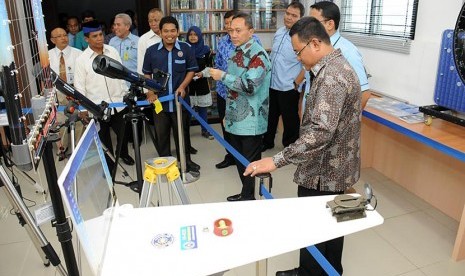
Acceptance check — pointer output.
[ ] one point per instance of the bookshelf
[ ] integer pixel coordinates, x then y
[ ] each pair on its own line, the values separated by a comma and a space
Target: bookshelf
208, 15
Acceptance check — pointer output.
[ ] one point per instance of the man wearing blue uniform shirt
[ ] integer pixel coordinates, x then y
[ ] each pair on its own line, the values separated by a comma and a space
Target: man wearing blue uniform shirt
329, 15
178, 59
125, 42
223, 53
285, 69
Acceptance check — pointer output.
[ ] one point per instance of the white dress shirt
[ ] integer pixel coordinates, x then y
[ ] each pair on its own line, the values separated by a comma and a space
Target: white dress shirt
70, 55
94, 86
146, 40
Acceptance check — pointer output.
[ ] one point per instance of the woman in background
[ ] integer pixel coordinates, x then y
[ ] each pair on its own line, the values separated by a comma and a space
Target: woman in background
199, 91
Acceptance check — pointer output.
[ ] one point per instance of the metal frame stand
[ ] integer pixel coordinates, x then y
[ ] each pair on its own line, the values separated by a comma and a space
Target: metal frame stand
264, 179
164, 173
44, 248
187, 177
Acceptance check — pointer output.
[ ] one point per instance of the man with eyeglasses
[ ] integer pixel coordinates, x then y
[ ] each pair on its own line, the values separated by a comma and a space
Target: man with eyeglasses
327, 152
248, 83
285, 76
62, 61
329, 15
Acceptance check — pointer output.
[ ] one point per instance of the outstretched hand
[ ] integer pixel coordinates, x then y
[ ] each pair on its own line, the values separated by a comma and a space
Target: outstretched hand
264, 165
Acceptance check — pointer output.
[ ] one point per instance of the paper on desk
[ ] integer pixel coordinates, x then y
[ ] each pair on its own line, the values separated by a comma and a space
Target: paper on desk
406, 112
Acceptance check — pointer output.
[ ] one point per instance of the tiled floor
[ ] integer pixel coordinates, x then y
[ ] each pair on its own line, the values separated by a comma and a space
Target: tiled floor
415, 239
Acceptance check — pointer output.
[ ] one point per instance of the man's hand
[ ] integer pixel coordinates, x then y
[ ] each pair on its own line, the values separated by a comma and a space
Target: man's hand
216, 74
264, 165
151, 97
181, 92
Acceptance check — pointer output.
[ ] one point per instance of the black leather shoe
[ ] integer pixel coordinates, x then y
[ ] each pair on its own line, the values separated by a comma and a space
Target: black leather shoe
191, 165
128, 160
224, 164
193, 150
291, 272
239, 197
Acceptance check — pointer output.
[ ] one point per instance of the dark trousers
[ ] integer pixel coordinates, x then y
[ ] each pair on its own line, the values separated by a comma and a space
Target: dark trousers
250, 148
221, 104
165, 122
116, 123
332, 249
286, 105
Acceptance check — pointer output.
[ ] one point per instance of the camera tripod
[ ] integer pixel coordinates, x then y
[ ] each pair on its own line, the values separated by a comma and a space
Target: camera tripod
44, 248
134, 116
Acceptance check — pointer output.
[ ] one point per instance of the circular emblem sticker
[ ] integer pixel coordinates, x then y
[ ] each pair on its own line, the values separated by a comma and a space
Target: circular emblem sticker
163, 240
180, 54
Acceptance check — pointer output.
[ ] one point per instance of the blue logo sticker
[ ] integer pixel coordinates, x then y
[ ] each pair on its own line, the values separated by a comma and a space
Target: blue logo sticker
163, 240
188, 237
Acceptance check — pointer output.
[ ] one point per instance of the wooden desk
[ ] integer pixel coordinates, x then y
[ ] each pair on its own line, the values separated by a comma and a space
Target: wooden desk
429, 161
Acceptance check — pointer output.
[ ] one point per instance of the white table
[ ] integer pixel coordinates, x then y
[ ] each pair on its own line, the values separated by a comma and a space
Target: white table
262, 229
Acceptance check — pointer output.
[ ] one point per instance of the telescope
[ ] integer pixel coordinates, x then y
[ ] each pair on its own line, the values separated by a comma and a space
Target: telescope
99, 111
111, 68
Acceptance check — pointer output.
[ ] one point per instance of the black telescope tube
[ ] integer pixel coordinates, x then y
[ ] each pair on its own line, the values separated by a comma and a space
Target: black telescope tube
112, 68
97, 111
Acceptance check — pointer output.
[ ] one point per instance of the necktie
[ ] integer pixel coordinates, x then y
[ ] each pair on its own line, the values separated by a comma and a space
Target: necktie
62, 67
60, 96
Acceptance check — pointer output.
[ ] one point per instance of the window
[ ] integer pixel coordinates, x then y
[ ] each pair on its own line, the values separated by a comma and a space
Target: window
382, 24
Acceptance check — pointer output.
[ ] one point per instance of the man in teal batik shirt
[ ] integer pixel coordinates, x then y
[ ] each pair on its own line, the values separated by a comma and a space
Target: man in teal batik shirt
248, 82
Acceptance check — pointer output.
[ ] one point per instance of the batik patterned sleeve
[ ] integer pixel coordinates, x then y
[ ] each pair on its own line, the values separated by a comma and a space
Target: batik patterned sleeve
251, 77
319, 125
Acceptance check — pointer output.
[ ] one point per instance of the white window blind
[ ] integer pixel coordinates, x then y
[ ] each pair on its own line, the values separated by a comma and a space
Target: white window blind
382, 24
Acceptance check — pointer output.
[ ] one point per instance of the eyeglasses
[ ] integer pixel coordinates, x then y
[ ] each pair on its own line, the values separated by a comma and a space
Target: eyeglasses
299, 52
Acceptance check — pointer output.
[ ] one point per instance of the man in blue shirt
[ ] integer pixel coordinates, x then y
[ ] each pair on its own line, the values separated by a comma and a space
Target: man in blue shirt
178, 59
126, 45
223, 53
285, 69
72, 25
248, 82
125, 42
329, 15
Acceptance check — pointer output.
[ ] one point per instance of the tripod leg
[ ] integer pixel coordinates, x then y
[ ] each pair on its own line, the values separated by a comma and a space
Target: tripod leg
152, 136
32, 229
135, 136
119, 145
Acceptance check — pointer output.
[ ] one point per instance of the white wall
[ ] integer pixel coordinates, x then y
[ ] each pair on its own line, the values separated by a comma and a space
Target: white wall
412, 77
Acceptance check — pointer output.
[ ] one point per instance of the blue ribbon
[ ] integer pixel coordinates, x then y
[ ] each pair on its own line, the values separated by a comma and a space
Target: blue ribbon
327, 267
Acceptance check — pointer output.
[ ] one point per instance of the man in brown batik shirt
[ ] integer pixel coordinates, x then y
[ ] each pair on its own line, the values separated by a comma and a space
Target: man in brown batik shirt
327, 152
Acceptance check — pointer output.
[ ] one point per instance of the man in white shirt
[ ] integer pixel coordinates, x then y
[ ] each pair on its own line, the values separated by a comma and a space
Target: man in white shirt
64, 67
149, 38
99, 88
